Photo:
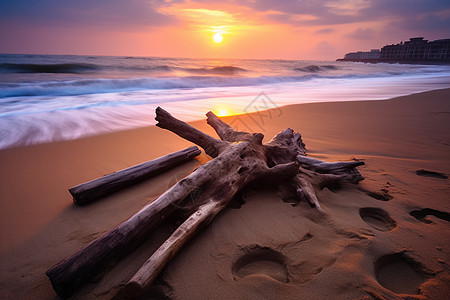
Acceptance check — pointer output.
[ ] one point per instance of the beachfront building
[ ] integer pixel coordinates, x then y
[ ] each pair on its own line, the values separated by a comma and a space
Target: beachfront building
360, 55
417, 49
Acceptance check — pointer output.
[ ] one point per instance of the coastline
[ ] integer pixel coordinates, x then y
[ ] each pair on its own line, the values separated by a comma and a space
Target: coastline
120, 94
397, 61
40, 225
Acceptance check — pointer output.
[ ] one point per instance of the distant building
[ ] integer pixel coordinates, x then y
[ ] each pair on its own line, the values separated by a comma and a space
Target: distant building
373, 54
416, 50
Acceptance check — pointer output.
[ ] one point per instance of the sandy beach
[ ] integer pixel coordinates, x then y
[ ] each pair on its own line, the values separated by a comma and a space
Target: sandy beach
385, 238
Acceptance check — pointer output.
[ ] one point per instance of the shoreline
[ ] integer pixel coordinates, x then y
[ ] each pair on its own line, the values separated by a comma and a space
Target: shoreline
190, 117
396, 137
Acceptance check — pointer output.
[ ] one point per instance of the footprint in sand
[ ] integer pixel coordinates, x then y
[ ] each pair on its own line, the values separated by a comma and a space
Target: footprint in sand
397, 273
261, 262
377, 218
422, 213
382, 195
432, 174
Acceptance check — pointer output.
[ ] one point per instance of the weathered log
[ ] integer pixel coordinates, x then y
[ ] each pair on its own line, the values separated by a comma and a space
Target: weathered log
105, 185
236, 165
69, 274
78, 268
240, 159
154, 265
284, 148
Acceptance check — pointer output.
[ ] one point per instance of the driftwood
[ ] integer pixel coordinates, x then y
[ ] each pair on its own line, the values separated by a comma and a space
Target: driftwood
154, 265
244, 159
240, 158
100, 187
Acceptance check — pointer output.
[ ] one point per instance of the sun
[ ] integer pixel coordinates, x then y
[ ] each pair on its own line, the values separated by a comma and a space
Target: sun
222, 112
217, 37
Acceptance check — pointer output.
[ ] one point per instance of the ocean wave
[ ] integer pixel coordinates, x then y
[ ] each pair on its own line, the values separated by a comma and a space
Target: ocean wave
48, 68
32, 120
96, 86
80, 68
316, 68
201, 77
37, 128
101, 86
142, 68
221, 70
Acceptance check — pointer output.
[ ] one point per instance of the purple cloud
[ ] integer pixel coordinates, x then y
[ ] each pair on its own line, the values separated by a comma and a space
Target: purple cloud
114, 13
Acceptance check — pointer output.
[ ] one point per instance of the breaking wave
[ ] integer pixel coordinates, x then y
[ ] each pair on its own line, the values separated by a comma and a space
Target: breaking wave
48, 68
316, 68
111, 85
87, 95
96, 86
222, 70
81, 68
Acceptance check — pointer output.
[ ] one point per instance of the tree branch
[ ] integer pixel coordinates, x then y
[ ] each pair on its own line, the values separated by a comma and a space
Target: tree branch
327, 167
224, 131
154, 265
305, 191
211, 145
72, 272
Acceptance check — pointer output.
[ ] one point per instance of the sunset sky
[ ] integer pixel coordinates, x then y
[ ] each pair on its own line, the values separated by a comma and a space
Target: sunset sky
285, 29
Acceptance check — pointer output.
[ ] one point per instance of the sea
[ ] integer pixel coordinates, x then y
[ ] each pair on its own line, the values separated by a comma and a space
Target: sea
47, 98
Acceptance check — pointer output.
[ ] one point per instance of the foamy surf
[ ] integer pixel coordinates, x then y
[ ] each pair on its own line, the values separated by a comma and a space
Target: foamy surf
38, 107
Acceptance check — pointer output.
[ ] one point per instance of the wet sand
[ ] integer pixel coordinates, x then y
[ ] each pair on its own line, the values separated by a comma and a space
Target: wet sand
386, 237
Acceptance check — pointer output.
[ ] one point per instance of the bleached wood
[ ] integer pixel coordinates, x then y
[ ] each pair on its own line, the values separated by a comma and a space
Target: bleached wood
75, 270
223, 130
154, 265
240, 158
305, 190
327, 167
211, 145
100, 187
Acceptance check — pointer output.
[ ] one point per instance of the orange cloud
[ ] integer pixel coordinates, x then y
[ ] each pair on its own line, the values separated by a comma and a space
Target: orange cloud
294, 29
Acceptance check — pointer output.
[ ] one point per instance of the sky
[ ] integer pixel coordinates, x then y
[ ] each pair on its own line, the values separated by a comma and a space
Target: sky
280, 29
